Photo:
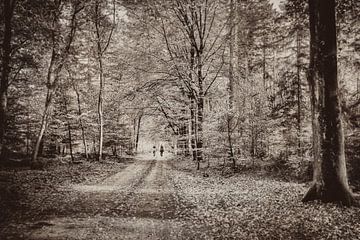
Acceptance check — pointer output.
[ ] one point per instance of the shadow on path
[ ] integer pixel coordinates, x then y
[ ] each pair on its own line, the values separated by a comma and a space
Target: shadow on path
139, 202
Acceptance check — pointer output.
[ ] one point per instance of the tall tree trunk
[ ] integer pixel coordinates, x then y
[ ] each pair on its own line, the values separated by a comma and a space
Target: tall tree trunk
69, 129
200, 108
298, 77
231, 56
100, 108
70, 141
55, 67
264, 65
43, 126
230, 114
193, 124
8, 9
28, 135
230, 142
101, 45
264, 102
94, 148
199, 140
330, 176
193, 134
138, 132
83, 135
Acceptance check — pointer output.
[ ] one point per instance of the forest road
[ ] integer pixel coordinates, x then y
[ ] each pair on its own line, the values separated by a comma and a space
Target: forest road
139, 202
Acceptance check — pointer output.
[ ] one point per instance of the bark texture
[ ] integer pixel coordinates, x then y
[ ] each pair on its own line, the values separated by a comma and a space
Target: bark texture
56, 65
330, 176
8, 7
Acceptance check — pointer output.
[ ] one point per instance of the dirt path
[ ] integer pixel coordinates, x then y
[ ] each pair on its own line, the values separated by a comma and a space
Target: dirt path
139, 202
163, 199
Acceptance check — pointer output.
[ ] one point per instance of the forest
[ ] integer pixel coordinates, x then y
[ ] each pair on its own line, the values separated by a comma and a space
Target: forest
256, 104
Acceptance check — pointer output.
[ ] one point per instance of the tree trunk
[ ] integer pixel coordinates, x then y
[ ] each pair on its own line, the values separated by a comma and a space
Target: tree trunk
298, 71
8, 9
44, 122
230, 114
83, 135
70, 141
199, 140
200, 110
102, 45
100, 108
193, 134
330, 176
94, 148
114, 150
41, 147
231, 56
193, 126
138, 132
69, 129
56, 64
230, 142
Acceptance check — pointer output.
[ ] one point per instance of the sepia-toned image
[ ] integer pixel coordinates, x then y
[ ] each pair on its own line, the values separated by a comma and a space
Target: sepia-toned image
179, 119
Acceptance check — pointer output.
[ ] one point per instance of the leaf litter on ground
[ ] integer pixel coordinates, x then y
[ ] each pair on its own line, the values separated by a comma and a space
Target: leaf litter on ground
246, 206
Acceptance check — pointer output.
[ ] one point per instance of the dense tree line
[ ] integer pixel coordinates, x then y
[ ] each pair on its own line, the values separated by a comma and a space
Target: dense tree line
234, 83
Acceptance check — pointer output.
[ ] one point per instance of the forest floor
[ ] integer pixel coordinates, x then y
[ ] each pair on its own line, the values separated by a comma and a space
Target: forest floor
161, 198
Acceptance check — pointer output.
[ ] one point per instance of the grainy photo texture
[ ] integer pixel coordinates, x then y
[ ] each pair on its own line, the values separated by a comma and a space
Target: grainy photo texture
179, 119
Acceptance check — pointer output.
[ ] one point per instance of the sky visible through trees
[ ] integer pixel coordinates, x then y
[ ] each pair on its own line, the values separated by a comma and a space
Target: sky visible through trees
264, 92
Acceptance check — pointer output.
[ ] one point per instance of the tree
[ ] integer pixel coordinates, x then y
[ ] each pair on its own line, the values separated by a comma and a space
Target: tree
330, 182
103, 37
255, 29
59, 54
296, 12
196, 56
230, 115
8, 9
81, 124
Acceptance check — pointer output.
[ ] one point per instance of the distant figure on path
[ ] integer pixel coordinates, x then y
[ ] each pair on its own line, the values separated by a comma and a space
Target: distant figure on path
161, 150
154, 150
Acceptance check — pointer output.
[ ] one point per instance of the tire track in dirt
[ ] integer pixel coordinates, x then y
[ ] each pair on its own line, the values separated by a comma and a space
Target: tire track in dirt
154, 207
140, 202
132, 189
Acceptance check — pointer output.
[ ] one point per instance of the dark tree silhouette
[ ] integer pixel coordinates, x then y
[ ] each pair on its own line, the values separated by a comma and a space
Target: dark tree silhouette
5, 69
330, 176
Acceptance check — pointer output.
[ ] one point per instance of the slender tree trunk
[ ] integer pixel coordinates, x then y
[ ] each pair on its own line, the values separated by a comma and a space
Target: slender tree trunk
83, 135
200, 110
53, 73
43, 126
69, 130
239, 69
8, 9
330, 176
252, 114
230, 142
41, 148
28, 137
230, 114
193, 134
70, 141
264, 102
199, 141
134, 135
100, 109
138, 132
231, 56
94, 147
264, 65
51, 85
193, 126
298, 71
101, 44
